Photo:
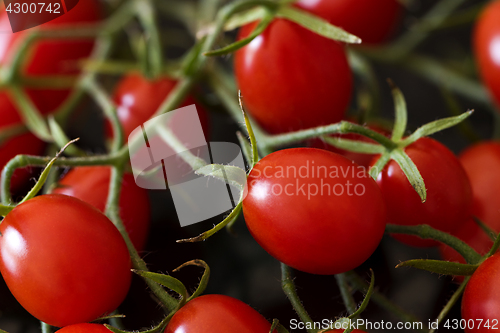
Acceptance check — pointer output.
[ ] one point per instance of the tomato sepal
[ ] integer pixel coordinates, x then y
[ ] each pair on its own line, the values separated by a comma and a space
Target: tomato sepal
166, 281
204, 279
232, 216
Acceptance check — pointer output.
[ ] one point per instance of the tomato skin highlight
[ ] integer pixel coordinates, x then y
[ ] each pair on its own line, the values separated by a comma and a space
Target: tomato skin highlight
372, 21
292, 78
63, 260
481, 299
138, 98
486, 47
481, 163
91, 184
449, 194
215, 314
319, 234
84, 328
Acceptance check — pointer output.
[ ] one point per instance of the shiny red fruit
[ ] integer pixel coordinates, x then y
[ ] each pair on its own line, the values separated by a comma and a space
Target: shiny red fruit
481, 299
63, 260
91, 184
84, 328
306, 206
486, 45
138, 98
216, 314
292, 78
482, 164
372, 21
449, 195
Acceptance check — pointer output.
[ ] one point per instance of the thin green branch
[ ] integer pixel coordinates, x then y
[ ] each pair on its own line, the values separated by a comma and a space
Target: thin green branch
291, 293
358, 283
426, 232
453, 300
346, 292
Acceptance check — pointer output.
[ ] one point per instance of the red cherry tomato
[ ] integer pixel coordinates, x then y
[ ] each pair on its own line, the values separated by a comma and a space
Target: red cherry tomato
307, 206
372, 21
216, 314
486, 42
138, 99
49, 57
481, 299
449, 195
63, 260
84, 328
292, 78
361, 159
91, 184
481, 163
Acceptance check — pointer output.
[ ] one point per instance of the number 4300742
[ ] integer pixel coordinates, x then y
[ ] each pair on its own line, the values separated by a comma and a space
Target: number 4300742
33, 8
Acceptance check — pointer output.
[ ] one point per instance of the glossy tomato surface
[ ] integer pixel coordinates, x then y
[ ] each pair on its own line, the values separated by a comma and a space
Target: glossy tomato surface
84, 328
372, 21
307, 206
292, 78
215, 314
138, 98
91, 184
449, 195
486, 45
481, 299
63, 260
49, 56
482, 164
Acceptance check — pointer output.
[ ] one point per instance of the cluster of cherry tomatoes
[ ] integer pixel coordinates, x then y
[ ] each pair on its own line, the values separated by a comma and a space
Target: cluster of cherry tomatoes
291, 79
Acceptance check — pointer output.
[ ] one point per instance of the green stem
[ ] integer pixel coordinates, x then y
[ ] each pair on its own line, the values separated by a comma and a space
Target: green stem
112, 212
453, 300
426, 232
381, 299
46, 328
146, 14
435, 72
109, 108
495, 246
346, 292
21, 161
420, 31
290, 291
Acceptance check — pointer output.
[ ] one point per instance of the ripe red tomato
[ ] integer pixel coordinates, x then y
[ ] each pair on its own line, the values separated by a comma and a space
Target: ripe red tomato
84, 328
138, 99
361, 159
372, 21
48, 57
449, 195
306, 206
292, 78
63, 260
91, 184
486, 44
481, 299
215, 314
481, 163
